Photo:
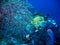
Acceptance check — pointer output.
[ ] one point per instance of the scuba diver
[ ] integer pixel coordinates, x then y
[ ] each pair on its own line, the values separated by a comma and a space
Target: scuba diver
40, 30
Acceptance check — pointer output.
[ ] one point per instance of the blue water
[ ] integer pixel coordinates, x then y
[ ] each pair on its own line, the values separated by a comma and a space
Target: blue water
48, 6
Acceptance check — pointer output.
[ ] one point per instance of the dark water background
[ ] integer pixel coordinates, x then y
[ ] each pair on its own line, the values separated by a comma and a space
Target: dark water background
48, 6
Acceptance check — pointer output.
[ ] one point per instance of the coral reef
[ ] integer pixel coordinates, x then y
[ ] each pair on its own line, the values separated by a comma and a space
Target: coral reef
14, 16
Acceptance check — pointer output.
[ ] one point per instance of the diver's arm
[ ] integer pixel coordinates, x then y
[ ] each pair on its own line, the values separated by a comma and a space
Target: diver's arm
50, 37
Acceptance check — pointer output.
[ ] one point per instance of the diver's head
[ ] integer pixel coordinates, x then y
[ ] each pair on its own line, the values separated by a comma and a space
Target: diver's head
37, 19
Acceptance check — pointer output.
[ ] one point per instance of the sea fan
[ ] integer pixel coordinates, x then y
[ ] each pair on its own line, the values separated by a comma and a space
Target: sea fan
14, 16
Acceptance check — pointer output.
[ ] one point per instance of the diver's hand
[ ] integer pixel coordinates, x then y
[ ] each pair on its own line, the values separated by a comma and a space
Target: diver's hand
27, 36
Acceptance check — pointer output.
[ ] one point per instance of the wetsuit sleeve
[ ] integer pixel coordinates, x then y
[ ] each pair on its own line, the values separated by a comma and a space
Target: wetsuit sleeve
50, 37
